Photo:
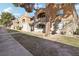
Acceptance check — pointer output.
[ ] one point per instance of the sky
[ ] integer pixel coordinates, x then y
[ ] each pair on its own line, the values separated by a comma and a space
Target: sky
8, 7
18, 11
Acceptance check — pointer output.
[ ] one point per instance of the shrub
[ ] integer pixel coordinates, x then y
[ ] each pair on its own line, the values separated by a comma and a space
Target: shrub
77, 31
18, 28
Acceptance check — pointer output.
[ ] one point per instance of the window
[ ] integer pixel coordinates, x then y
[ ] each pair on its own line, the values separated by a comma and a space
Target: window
60, 12
40, 26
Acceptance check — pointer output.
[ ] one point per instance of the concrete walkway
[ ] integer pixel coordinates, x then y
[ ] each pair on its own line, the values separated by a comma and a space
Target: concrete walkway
10, 47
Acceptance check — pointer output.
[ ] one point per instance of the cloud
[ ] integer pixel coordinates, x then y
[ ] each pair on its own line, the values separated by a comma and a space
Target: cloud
0, 12
16, 14
9, 9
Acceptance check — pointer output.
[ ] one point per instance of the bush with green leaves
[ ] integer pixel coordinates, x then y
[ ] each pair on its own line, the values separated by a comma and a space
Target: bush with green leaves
6, 17
77, 31
18, 28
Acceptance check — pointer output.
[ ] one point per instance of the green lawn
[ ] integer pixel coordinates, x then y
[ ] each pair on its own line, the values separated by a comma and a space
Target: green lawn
38, 45
67, 40
58, 38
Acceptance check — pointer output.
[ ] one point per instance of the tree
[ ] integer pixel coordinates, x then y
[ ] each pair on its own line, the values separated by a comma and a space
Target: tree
51, 11
27, 6
6, 17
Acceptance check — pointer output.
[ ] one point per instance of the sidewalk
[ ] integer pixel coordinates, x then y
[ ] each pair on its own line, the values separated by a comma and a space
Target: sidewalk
10, 47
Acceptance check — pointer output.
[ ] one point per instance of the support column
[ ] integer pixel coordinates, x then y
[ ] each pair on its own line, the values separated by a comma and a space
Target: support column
47, 29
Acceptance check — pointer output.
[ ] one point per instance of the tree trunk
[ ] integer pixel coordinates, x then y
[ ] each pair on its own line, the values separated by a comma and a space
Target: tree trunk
75, 20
